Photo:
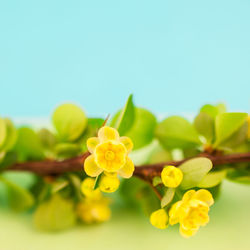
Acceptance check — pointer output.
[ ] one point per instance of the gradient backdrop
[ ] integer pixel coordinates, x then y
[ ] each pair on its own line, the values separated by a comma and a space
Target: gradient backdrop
173, 55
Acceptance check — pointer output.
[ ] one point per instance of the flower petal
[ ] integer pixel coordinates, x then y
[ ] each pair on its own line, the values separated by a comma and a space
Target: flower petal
92, 143
127, 142
174, 213
127, 170
205, 196
107, 133
187, 232
188, 195
91, 167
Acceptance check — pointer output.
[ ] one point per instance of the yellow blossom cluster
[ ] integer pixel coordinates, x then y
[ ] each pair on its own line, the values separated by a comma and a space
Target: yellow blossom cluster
94, 207
109, 157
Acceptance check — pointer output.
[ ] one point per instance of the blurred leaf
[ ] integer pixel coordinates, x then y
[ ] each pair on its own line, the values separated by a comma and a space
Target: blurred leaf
11, 135
177, 132
19, 198
66, 150
168, 197
213, 110
3, 132
239, 175
227, 124
126, 117
9, 159
28, 145
142, 130
204, 124
76, 184
92, 128
70, 121
237, 138
194, 171
55, 214
212, 179
47, 138
156, 181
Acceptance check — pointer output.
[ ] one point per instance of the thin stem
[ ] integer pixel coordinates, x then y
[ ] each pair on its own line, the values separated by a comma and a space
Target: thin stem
145, 172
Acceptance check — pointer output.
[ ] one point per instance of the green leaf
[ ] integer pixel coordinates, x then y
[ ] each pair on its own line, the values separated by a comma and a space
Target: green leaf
11, 135
177, 132
194, 171
47, 138
239, 175
156, 181
66, 150
227, 124
142, 130
55, 214
9, 159
19, 198
168, 197
3, 132
70, 121
212, 179
126, 117
204, 124
28, 145
237, 138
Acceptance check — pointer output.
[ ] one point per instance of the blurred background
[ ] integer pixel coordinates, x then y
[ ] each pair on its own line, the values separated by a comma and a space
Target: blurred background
173, 56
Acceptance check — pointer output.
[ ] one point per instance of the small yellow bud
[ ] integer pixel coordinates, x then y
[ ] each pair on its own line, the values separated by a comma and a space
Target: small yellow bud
171, 176
92, 212
87, 188
159, 219
109, 184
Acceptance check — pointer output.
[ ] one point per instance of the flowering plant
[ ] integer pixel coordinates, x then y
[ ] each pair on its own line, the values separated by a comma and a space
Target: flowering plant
172, 169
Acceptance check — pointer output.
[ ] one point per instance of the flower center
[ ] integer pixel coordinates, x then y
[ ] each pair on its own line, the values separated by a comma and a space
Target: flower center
109, 155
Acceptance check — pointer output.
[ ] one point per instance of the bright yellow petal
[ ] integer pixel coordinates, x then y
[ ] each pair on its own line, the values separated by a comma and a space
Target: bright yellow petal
92, 143
108, 133
128, 169
188, 195
174, 213
109, 184
187, 232
159, 219
91, 167
127, 142
205, 196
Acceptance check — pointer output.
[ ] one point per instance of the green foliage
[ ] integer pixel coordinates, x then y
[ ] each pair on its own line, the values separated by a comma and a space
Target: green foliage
142, 129
168, 197
227, 124
204, 124
212, 179
69, 121
28, 145
126, 117
194, 171
177, 132
19, 199
55, 214
239, 175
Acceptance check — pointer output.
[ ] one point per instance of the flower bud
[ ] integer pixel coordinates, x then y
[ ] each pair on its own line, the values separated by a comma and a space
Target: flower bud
159, 219
171, 176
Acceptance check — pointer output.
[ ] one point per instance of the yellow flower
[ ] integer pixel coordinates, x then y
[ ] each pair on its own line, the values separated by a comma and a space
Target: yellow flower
159, 219
109, 183
192, 211
87, 188
109, 153
90, 211
171, 176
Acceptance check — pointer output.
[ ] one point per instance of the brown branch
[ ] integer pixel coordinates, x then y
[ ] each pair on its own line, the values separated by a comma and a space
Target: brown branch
146, 172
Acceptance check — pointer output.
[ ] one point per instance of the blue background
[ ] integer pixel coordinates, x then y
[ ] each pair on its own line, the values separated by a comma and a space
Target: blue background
173, 55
